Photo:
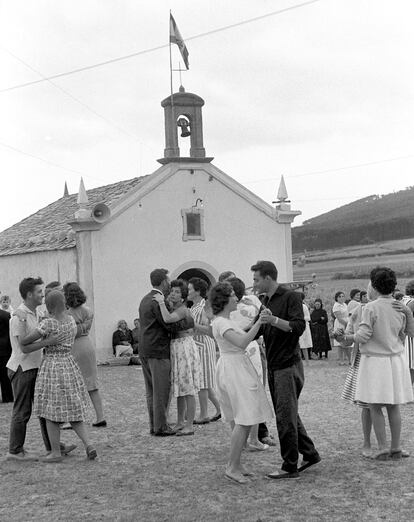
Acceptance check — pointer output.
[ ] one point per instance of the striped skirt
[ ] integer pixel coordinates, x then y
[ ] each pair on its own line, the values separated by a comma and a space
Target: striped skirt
409, 351
207, 350
348, 392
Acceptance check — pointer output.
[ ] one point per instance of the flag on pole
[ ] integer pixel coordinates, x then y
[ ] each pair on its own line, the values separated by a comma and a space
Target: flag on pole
176, 38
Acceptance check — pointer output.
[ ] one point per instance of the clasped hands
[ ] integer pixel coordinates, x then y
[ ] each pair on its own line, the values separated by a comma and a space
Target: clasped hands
266, 317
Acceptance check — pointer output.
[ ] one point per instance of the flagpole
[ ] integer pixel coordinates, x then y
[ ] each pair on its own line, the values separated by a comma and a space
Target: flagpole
171, 72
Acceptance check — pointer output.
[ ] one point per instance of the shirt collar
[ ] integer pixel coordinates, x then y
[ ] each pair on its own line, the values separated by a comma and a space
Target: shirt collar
26, 309
156, 290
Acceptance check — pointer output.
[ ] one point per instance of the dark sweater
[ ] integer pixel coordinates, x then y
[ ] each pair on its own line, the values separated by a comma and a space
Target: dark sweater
282, 348
5, 346
155, 333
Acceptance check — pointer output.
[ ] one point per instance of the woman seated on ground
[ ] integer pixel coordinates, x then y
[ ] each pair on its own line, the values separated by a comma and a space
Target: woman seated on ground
122, 340
184, 354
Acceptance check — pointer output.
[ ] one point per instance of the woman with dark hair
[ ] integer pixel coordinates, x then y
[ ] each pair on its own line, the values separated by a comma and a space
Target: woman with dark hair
185, 359
83, 350
319, 329
240, 391
197, 293
340, 311
383, 376
408, 300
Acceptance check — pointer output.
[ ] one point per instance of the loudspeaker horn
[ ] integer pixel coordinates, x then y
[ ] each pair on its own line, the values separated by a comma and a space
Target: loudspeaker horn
101, 213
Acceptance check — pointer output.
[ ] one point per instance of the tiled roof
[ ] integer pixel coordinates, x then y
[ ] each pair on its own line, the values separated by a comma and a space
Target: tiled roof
49, 229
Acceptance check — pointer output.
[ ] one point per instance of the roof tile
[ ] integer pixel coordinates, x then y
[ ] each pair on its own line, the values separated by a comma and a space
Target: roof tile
49, 228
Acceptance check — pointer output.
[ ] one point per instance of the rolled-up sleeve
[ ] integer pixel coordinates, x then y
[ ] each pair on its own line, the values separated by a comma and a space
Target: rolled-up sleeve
295, 314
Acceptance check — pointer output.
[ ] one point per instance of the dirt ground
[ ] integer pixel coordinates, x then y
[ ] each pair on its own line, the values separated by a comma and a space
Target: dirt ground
142, 478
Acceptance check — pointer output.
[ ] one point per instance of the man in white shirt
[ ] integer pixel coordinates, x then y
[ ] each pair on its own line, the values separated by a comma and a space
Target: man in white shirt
23, 367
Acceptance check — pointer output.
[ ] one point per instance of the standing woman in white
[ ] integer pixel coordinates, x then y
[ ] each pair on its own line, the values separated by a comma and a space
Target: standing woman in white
239, 388
383, 377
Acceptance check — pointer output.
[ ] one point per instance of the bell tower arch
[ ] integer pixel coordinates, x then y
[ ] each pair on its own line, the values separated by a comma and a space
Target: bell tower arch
183, 111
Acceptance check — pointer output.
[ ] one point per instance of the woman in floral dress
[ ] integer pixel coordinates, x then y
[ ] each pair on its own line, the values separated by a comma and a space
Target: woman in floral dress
185, 359
60, 392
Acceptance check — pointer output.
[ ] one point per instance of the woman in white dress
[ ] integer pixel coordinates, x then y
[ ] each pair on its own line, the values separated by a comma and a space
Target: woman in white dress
239, 388
340, 311
383, 376
305, 340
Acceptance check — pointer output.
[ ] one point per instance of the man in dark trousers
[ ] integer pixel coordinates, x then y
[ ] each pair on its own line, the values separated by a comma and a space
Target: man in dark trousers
5, 352
154, 352
285, 323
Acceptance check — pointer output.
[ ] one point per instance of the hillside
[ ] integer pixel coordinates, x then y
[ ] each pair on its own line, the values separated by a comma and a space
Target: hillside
370, 219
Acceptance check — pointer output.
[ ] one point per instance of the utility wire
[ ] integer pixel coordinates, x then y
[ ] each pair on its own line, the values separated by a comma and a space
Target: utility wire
51, 163
157, 48
315, 172
67, 93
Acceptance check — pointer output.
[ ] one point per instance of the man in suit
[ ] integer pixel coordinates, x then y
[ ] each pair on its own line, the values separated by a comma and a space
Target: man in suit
154, 352
5, 352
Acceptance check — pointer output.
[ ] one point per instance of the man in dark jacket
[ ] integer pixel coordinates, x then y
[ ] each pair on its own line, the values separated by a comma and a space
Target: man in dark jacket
5, 352
154, 353
285, 323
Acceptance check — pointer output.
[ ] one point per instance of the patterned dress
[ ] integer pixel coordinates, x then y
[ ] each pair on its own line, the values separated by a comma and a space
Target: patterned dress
206, 348
185, 362
60, 391
409, 341
348, 392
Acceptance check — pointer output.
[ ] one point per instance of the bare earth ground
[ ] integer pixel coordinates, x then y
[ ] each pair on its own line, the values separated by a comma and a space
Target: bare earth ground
143, 478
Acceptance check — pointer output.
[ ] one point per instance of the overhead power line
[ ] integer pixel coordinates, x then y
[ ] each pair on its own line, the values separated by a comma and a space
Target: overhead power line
70, 95
51, 163
158, 47
315, 172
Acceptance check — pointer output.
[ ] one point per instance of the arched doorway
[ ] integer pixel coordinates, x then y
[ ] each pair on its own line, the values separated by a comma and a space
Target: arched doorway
195, 272
196, 268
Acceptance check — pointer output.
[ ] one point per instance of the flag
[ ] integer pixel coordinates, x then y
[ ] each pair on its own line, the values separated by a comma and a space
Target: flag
176, 38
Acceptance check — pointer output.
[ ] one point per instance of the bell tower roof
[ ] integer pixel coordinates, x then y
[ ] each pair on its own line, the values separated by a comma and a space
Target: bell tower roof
183, 109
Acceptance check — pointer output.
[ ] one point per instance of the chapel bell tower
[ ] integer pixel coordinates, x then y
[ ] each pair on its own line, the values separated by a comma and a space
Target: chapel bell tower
182, 113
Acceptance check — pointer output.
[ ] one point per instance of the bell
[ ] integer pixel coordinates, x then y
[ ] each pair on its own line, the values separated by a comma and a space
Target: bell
184, 124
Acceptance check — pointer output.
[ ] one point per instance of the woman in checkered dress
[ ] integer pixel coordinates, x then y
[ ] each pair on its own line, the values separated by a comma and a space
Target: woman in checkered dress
60, 392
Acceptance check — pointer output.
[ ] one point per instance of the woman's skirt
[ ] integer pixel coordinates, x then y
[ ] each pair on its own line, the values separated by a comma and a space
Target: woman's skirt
305, 340
384, 380
348, 392
207, 352
409, 351
83, 352
240, 392
60, 392
185, 367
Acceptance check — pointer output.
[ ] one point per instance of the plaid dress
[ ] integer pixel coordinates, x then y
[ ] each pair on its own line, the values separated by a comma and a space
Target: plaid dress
60, 391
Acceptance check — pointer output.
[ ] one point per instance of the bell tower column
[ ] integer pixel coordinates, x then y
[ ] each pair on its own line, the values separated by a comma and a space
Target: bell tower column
183, 107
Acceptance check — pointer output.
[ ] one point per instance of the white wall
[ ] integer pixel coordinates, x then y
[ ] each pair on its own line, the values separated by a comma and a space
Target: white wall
149, 236
50, 266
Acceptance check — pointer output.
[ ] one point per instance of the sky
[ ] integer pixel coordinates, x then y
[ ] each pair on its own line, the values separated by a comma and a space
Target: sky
322, 94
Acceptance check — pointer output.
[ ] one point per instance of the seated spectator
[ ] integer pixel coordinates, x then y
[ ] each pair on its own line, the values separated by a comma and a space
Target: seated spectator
5, 304
136, 332
122, 340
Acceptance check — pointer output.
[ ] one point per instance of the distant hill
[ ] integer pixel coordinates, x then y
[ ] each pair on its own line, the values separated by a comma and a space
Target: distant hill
367, 220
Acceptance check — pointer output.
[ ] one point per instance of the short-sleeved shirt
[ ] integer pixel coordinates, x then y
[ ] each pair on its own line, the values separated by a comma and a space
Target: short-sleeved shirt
221, 325
23, 322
